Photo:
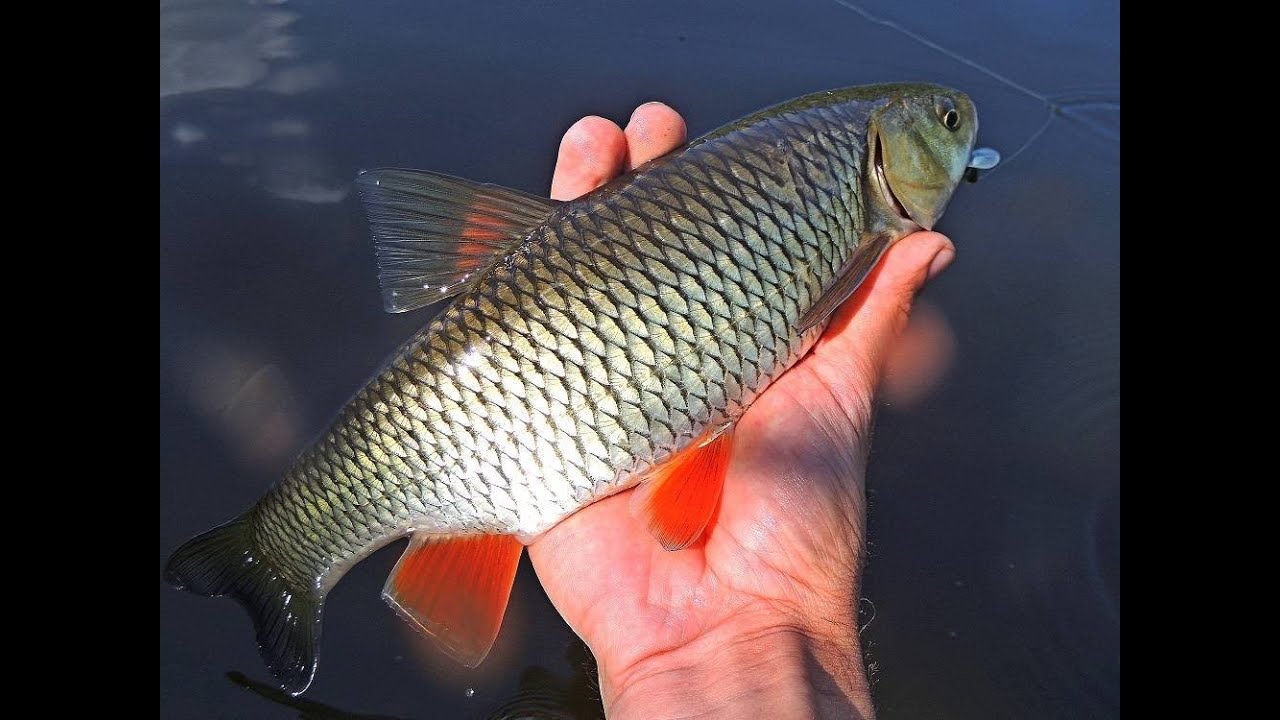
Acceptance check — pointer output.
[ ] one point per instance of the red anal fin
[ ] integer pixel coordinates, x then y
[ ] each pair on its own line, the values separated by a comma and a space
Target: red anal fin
455, 589
676, 499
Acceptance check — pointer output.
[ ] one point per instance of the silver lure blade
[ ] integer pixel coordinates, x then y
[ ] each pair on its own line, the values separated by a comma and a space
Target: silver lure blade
984, 158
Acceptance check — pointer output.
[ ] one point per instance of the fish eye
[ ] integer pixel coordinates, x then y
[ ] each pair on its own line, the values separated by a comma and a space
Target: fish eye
945, 107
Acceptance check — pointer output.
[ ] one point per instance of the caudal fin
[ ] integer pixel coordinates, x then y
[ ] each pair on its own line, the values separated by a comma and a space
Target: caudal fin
224, 561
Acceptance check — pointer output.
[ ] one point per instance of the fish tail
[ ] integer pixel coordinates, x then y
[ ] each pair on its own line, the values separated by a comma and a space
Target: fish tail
224, 561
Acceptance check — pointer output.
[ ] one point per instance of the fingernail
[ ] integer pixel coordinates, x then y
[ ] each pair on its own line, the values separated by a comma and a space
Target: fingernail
941, 261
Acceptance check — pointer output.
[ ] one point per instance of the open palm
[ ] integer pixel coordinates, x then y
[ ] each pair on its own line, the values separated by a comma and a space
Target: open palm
782, 555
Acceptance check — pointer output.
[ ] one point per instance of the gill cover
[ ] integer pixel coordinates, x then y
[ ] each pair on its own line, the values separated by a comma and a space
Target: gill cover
923, 144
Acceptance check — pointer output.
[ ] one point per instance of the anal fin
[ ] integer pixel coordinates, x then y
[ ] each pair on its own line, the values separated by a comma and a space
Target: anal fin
676, 499
456, 589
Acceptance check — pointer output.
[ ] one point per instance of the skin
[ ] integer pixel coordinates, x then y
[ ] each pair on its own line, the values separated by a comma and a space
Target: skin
759, 616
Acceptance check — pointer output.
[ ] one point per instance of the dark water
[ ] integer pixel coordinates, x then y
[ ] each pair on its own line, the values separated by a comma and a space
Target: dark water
994, 581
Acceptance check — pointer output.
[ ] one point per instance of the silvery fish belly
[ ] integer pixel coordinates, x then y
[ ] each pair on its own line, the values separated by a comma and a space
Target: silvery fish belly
590, 346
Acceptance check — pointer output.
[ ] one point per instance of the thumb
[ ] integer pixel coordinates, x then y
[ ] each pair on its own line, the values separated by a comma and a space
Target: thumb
857, 343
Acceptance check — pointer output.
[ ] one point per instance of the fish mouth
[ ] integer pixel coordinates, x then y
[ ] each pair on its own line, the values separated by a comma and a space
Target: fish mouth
883, 181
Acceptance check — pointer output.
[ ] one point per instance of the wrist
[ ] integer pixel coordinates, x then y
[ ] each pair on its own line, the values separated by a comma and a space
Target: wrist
761, 668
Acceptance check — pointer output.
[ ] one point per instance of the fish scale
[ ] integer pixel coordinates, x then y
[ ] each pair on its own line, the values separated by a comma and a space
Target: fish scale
602, 339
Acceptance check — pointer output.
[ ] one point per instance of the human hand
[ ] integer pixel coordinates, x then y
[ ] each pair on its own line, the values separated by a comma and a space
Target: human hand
760, 614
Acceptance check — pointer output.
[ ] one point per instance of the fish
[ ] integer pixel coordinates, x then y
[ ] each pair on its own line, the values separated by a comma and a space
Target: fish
588, 347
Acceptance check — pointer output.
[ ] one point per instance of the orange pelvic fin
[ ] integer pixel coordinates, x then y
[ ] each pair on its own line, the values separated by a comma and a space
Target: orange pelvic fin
455, 589
676, 499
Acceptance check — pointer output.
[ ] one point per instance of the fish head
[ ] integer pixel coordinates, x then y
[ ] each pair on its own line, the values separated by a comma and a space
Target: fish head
920, 143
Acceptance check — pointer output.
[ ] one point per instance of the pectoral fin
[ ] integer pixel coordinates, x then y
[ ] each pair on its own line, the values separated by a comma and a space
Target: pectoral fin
455, 589
676, 499
855, 270
435, 235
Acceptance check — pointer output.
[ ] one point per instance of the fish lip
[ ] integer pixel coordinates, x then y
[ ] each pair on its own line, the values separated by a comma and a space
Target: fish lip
885, 189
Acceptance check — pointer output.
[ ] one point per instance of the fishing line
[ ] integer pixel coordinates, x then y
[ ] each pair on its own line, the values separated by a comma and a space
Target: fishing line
1066, 106
1034, 136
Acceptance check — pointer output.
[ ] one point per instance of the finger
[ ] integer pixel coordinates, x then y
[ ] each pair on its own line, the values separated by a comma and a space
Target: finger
653, 131
863, 331
592, 153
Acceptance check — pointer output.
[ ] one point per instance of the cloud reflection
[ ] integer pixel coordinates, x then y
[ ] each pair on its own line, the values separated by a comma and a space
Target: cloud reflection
188, 134
302, 176
219, 46
296, 79
288, 127
251, 55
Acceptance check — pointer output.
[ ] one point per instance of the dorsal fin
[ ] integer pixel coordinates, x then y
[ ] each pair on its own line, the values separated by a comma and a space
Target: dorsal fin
435, 235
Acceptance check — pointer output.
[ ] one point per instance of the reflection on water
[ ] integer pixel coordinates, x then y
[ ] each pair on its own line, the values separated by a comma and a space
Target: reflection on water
210, 46
306, 709
248, 400
994, 483
225, 45
541, 695
222, 45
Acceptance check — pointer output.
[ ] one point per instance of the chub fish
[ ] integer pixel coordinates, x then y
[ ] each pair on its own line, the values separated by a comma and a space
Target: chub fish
590, 346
